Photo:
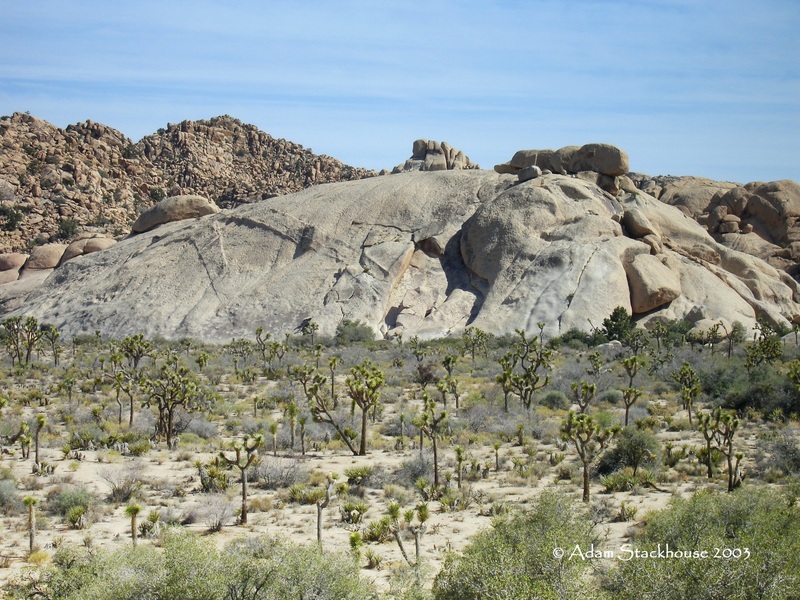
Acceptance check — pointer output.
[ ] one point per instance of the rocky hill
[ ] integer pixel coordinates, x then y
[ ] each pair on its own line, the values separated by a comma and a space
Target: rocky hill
420, 253
56, 183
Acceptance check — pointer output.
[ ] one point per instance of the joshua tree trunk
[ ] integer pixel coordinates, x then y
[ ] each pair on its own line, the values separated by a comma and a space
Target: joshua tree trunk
585, 481
244, 497
362, 448
323, 504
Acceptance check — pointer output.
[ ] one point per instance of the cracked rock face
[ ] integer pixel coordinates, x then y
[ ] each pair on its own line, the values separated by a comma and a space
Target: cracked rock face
420, 254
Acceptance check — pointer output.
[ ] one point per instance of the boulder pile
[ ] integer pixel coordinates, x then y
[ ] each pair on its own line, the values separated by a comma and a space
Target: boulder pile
428, 155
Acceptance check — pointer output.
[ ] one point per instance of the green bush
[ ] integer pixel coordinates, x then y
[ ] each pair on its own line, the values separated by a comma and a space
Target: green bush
67, 229
351, 332
515, 559
11, 218
192, 568
10, 502
752, 538
556, 400
62, 500
785, 453
635, 448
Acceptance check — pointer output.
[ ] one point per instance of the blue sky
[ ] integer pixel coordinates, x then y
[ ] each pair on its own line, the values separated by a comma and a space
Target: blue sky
686, 87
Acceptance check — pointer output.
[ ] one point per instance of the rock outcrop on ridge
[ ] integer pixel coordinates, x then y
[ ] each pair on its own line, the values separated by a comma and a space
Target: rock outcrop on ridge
429, 155
91, 179
419, 253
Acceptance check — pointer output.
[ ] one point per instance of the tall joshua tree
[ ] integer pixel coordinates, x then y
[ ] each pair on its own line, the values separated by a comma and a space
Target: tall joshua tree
431, 425
589, 438
41, 421
363, 387
245, 455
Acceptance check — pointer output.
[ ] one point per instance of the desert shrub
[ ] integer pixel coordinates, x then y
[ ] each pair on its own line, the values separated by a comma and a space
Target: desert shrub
62, 499
67, 229
216, 512
277, 473
124, 481
555, 399
515, 558
413, 469
352, 332
10, 502
302, 494
353, 511
635, 448
785, 453
360, 475
284, 570
755, 527
573, 338
378, 531
762, 388
611, 397
624, 480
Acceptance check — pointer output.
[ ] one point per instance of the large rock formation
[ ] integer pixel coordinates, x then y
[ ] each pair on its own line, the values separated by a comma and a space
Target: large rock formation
604, 159
428, 155
89, 178
761, 219
420, 253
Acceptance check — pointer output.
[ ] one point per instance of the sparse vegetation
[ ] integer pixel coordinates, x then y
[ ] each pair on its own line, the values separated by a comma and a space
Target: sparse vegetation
449, 454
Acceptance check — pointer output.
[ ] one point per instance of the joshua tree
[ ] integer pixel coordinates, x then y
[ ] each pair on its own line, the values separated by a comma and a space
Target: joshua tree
309, 328
417, 529
443, 388
323, 503
51, 335
363, 387
431, 425
690, 386
31, 502
583, 393
727, 424
630, 394
459, 464
273, 429
245, 455
766, 348
474, 341
174, 388
589, 439
417, 349
322, 410
302, 420
530, 359
707, 424
333, 362
449, 363
262, 344
505, 377
132, 511
41, 421
135, 348
291, 414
